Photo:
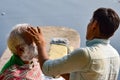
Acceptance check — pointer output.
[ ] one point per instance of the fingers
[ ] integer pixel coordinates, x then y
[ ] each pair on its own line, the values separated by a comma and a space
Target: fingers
31, 30
28, 32
36, 35
39, 30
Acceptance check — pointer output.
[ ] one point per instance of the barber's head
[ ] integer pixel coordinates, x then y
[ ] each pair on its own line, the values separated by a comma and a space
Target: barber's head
20, 44
106, 20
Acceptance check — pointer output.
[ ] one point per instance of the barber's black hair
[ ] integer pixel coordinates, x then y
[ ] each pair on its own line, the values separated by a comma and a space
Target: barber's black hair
108, 21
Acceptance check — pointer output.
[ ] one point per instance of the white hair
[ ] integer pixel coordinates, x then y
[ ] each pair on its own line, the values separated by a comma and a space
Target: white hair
15, 37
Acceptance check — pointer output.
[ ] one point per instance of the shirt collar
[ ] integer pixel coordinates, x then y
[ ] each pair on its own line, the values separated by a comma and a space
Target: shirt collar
97, 41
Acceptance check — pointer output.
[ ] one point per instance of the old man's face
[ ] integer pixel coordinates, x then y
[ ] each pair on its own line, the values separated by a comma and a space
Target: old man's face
30, 51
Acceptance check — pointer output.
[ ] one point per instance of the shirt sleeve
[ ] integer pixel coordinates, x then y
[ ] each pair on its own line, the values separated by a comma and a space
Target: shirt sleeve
74, 61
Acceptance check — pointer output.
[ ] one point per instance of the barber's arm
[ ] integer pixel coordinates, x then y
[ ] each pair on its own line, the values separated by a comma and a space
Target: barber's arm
77, 60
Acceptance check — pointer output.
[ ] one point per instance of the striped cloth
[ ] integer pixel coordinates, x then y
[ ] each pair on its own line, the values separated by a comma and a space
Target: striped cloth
25, 72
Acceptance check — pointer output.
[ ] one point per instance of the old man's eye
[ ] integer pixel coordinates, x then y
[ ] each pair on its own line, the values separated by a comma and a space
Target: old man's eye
21, 49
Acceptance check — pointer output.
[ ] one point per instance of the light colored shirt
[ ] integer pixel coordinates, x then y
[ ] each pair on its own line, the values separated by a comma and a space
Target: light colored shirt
98, 61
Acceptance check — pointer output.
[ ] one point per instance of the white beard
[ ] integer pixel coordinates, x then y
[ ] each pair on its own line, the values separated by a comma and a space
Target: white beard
30, 52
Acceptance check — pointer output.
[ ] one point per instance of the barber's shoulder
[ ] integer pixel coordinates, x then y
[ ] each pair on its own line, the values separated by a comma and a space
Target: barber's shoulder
82, 51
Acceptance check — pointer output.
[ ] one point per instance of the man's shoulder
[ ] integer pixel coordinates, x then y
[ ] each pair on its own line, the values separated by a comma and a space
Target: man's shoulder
82, 51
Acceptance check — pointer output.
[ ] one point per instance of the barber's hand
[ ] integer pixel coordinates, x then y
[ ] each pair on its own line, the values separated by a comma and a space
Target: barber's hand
36, 35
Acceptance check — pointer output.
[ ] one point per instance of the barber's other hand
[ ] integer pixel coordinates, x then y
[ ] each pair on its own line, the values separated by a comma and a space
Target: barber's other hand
36, 35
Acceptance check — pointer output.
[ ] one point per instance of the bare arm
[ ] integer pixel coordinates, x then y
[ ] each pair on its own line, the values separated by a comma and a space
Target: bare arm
42, 55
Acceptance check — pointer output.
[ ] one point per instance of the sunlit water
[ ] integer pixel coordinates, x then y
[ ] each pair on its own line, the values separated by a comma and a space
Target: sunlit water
69, 13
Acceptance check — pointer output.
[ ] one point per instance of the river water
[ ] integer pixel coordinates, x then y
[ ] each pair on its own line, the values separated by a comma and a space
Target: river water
69, 13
